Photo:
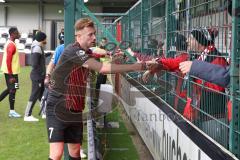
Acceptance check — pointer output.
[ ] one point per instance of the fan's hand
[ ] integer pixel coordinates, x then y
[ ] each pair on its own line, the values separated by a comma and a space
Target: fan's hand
185, 67
146, 76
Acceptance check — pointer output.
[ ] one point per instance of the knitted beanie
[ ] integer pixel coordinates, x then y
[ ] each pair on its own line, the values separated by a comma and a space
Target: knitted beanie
204, 36
40, 36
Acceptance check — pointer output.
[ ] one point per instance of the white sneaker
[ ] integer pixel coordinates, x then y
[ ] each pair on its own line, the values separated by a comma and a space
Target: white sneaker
82, 154
14, 114
43, 116
30, 119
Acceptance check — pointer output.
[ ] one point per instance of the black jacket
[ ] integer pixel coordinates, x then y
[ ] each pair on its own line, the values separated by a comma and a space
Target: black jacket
38, 62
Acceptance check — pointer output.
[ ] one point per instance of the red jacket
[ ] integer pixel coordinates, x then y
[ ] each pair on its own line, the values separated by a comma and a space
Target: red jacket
172, 64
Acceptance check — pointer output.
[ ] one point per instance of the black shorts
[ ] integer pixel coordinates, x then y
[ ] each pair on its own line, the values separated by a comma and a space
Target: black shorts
61, 130
12, 81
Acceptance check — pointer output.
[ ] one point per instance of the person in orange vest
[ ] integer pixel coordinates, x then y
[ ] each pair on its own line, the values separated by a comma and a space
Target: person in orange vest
11, 68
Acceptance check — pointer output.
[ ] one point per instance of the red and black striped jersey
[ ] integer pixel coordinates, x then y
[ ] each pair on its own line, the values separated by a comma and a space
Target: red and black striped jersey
69, 79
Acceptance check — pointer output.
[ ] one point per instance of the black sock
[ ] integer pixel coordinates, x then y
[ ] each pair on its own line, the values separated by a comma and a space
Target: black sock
50, 159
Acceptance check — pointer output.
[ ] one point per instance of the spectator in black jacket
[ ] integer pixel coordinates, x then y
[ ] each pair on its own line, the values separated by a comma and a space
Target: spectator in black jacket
37, 74
61, 36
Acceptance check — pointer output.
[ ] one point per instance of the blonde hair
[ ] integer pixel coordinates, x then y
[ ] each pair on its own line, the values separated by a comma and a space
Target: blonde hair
82, 23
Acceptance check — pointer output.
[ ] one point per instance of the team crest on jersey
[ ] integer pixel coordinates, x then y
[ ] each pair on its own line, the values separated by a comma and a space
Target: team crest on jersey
80, 53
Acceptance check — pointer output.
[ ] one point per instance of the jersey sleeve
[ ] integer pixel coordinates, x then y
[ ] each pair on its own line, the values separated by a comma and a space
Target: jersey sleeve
11, 49
172, 64
80, 57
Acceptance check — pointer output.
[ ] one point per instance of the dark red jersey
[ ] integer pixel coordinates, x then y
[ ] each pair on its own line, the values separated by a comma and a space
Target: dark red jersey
69, 79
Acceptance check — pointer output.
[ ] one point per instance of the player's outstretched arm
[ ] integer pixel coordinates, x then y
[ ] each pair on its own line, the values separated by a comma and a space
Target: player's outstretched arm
106, 68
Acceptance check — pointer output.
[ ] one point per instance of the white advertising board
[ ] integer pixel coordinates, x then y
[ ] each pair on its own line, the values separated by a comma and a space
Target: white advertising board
164, 139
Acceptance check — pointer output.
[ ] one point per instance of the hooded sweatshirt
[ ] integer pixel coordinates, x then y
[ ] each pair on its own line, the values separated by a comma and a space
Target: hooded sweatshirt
38, 62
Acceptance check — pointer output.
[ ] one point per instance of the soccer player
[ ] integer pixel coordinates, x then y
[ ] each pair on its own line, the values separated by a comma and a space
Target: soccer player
68, 82
37, 74
11, 69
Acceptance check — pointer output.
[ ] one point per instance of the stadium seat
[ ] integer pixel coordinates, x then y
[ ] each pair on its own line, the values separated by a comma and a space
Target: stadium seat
28, 43
22, 40
20, 46
30, 35
2, 42
5, 35
24, 35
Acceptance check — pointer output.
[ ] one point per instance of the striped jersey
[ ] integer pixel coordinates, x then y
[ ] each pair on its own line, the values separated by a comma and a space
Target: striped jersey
69, 79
